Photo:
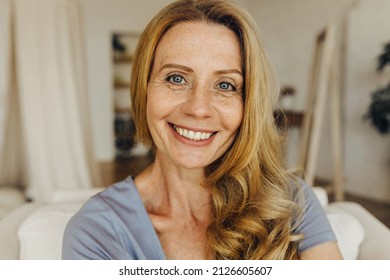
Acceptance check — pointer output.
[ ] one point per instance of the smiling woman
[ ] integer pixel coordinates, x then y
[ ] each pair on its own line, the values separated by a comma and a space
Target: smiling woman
202, 98
195, 93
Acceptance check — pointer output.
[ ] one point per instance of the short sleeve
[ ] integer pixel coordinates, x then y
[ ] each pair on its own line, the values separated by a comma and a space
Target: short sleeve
90, 234
314, 223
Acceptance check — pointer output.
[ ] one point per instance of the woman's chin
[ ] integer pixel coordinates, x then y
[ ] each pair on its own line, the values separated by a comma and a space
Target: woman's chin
192, 162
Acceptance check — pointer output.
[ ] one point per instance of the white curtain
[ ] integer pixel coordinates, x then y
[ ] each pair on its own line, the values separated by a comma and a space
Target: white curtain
12, 167
49, 59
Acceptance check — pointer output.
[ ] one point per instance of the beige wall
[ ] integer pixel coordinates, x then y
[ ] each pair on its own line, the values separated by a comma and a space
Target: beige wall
289, 28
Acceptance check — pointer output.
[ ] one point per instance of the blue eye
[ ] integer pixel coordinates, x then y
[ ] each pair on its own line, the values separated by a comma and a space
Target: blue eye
226, 86
175, 79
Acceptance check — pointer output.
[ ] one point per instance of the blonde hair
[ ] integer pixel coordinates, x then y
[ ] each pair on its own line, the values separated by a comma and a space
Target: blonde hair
253, 197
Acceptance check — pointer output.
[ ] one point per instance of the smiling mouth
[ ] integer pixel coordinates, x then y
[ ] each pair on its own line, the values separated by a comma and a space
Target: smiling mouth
192, 135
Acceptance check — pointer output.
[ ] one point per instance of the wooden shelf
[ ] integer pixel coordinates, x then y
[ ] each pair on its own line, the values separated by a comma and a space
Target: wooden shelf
119, 85
287, 91
124, 59
122, 110
288, 118
123, 134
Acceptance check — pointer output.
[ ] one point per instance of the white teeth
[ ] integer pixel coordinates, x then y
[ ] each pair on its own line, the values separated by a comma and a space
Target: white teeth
192, 135
197, 135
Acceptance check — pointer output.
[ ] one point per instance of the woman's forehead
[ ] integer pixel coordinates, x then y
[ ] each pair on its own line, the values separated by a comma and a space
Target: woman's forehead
187, 41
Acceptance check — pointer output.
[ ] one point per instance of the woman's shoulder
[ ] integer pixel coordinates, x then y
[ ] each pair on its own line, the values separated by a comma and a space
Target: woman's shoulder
104, 223
117, 198
120, 192
301, 191
306, 195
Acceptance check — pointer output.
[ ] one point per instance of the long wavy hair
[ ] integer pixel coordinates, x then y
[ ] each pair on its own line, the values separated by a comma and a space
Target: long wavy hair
253, 197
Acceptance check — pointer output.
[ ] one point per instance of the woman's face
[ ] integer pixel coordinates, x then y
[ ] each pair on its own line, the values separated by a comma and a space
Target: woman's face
195, 105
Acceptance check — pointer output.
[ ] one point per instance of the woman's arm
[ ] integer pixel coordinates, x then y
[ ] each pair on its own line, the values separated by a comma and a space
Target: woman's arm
325, 251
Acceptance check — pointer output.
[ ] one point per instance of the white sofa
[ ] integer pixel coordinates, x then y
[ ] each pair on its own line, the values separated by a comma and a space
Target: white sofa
34, 231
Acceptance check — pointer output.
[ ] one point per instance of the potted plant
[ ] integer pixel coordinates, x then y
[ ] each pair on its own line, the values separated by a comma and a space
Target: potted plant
378, 112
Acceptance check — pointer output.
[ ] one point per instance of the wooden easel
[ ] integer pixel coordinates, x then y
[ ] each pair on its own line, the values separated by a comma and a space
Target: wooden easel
324, 83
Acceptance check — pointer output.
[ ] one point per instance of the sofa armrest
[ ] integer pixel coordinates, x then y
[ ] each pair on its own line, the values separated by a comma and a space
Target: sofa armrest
41, 232
9, 242
376, 242
77, 195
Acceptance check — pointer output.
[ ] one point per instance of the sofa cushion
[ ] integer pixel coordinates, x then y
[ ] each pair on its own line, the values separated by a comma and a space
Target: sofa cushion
321, 195
376, 243
40, 235
348, 230
349, 233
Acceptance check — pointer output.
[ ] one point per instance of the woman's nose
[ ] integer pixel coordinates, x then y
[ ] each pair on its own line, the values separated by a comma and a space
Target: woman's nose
198, 103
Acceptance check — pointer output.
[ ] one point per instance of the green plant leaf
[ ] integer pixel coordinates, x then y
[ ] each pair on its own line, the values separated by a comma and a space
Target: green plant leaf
384, 58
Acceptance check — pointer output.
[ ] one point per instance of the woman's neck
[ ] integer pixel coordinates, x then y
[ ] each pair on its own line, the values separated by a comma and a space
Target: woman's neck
167, 189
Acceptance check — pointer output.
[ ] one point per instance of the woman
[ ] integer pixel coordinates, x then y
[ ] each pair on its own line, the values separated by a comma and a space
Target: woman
202, 97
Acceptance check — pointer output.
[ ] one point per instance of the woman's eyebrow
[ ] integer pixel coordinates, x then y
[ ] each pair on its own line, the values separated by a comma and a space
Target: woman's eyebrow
188, 69
176, 66
229, 71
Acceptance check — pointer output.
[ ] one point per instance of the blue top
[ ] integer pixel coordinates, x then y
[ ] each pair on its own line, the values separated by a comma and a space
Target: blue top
114, 224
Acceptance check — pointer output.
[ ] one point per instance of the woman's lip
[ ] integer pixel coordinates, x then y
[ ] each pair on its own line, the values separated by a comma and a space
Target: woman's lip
192, 142
193, 128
